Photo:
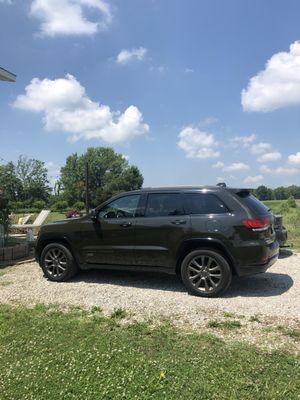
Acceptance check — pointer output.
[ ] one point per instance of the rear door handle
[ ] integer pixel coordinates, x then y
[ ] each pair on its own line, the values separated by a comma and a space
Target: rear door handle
126, 224
179, 222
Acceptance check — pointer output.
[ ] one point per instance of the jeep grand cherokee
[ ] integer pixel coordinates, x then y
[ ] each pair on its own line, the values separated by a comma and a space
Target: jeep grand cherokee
205, 234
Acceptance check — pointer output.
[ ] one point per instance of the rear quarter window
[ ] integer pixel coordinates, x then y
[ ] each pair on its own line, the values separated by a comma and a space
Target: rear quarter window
204, 203
252, 203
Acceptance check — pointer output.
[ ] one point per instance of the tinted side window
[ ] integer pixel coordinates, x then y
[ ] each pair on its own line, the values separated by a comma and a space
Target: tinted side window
163, 204
123, 207
253, 203
204, 203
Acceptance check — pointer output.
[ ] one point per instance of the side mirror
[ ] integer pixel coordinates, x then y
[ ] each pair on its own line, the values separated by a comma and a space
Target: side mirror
94, 215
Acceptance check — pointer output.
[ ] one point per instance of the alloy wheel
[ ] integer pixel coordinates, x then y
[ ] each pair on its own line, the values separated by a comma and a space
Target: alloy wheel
55, 262
204, 273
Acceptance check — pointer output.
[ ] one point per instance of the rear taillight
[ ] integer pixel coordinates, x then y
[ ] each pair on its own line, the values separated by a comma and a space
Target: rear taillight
256, 224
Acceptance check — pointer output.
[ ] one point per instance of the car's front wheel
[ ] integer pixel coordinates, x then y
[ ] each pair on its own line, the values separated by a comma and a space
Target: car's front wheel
58, 263
206, 273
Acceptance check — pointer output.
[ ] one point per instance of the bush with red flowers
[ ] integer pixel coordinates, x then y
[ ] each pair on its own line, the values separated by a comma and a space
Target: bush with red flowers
73, 213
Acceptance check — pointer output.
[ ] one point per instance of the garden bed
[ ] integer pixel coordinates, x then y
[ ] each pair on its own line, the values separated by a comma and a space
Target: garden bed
11, 253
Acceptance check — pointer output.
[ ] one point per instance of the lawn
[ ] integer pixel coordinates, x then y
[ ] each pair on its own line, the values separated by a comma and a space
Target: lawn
47, 354
291, 220
53, 216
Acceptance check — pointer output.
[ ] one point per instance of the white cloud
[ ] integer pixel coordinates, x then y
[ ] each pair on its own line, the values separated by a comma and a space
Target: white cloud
67, 17
294, 158
234, 167
279, 171
189, 70
253, 179
208, 121
278, 85
197, 144
126, 56
67, 108
218, 164
243, 141
260, 148
268, 157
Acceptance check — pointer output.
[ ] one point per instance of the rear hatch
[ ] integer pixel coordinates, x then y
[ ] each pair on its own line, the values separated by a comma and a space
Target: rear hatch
260, 220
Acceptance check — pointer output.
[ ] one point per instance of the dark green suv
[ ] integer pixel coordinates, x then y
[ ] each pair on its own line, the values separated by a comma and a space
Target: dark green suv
205, 234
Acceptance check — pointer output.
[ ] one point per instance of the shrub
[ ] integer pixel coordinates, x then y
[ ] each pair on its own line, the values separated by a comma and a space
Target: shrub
291, 202
60, 205
39, 204
284, 208
16, 205
79, 205
27, 210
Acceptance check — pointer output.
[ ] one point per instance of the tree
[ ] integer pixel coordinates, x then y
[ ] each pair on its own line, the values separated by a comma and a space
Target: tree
33, 176
4, 212
293, 191
9, 182
109, 174
280, 193
264, 193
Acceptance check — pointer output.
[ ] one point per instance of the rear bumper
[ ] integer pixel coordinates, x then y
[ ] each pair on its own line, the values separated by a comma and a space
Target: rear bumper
257, 268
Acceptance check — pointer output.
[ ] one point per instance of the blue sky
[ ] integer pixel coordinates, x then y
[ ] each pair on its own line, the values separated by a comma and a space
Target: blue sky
160, 81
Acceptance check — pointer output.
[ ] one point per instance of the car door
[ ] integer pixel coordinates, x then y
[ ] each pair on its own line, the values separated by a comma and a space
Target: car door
110, 239
161, 229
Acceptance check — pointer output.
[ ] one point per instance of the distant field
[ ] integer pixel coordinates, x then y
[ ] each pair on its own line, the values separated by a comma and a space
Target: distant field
291, 220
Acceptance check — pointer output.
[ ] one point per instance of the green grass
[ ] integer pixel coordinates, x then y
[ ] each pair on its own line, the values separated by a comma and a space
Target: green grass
47, 354
226, 325
254, 318
293, 333
119, 313
228, 314
55, 216
291, 220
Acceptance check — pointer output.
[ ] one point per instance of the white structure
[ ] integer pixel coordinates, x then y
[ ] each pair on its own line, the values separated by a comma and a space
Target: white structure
7, 76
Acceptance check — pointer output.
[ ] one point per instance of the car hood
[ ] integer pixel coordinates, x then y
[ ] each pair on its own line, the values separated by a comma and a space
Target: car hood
60, 225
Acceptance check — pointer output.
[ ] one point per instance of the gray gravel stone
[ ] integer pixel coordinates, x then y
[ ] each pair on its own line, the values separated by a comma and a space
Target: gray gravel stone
273, 294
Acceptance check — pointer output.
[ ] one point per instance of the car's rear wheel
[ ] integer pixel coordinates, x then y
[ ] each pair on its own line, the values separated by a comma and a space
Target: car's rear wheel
206, 273
58, 263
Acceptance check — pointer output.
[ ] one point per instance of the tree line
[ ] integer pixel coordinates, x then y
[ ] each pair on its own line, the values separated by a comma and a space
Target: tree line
25, 184
279, 193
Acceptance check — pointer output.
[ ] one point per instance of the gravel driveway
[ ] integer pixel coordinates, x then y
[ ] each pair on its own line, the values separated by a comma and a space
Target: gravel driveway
267, 305
275, 293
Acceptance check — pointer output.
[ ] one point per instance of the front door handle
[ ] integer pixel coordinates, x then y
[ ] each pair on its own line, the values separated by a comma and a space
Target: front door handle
126, 224
179, 222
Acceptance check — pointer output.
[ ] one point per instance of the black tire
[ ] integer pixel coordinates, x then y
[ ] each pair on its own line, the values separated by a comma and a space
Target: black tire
216, 277
55, 270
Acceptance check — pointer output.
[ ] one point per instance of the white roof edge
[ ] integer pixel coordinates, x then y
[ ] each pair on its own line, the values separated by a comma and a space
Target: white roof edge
7, 76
